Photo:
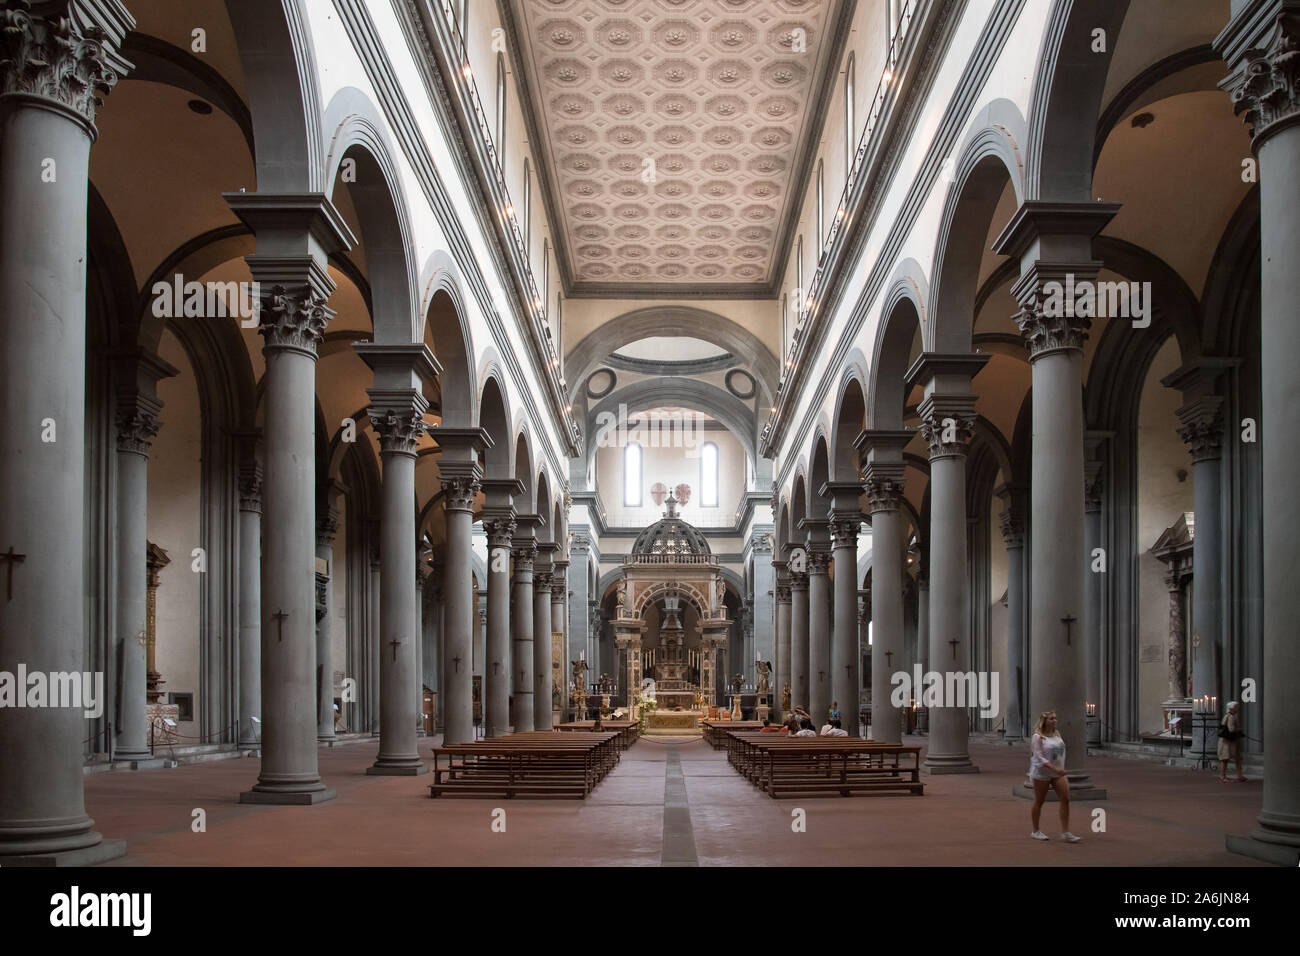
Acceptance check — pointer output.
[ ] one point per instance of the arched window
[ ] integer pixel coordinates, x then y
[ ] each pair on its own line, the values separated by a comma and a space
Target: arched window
850, 119
501, 110
528, 208
632, 476
709, 475
821, 203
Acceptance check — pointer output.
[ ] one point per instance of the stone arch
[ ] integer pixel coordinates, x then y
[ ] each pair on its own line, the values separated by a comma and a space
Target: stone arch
525, 500
279, 64
661, 589
849, 420
494, 417
1066, 99
819, 472
988, 160
902, 319
688, 321
798, 507
446, 331
381, 209
681, 392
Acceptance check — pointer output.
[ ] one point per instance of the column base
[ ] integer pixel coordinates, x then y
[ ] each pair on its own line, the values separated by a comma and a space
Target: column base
398, 767
291, 798
140, 763
325, 739
101, 852
1081, 788
948, 763
1277, 853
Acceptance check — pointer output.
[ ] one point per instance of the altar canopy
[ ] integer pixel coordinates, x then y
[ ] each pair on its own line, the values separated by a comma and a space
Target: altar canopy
671, 567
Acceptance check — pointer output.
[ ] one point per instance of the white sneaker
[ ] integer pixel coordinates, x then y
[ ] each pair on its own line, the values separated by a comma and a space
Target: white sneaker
1069, 837
1039, 835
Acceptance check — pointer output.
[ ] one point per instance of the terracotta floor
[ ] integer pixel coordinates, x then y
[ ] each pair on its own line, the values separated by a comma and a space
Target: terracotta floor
655, 810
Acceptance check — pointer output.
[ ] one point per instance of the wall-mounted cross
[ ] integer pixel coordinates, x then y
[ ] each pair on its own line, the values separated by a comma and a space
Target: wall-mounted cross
820, 676
280, 615
521, 678
393, 644
889, 659
1067, 621
456, 661
12, 559
496, 666
954, 644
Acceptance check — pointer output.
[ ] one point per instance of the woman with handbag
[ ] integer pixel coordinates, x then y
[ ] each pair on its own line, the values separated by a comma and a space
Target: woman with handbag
1230, 743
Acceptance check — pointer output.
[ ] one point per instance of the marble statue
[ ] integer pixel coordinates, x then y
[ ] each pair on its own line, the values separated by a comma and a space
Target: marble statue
785, 699
764, 669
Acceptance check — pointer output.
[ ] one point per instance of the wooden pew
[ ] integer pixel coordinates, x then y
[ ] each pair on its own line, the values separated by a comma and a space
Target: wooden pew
715, 731
824, 766
629, 730
535, 764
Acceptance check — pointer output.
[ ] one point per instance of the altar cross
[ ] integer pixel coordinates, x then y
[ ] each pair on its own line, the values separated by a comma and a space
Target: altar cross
280, 615
1067, 621
12, 559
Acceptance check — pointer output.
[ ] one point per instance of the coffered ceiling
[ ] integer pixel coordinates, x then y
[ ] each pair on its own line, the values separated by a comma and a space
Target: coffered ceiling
675, 134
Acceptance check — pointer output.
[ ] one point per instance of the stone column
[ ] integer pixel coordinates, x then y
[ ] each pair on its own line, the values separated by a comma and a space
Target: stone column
419, 645
461, 473
496, 677
522, 712
1260, 45
764, 601
1201, 428
52, 67
882, 467
559, 612
1092, 584
846, 656
782, 677
885, 491
580, 603
250, 597
799, 686
373, 632
923, 631
819, 625
1054, 244
295, 236
137, 423
396, 412
327, 526
947, 418
1013, 536
542, 581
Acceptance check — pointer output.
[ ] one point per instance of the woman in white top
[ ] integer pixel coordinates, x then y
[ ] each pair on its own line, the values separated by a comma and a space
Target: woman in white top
1047, 769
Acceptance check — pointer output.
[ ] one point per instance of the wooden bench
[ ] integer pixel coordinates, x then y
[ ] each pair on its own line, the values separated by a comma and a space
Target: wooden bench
824, 766
715, 731
534, 764
629, 730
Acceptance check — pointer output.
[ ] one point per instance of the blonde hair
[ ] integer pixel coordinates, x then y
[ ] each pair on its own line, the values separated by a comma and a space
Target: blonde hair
1042, 722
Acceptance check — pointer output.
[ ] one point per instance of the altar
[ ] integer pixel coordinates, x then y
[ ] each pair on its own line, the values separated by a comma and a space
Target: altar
671, 723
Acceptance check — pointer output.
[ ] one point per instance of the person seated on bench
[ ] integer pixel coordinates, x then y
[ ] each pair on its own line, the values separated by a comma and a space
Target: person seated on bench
805, 729
769, 727
833, 729
791, 725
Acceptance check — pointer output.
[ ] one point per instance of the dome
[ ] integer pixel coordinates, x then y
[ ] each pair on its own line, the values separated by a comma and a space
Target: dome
670, 535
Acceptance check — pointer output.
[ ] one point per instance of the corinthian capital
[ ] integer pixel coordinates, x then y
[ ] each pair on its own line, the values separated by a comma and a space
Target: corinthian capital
137, 424
62, 59
294, 319
499, 531
1048, 319
460, 491
947, 424
399, 430
844, 532
1201, 428
525, 555
1264, 77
